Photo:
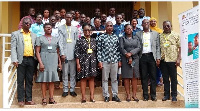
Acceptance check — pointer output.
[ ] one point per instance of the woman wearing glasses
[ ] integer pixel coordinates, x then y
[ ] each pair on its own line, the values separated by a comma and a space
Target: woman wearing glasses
86, 60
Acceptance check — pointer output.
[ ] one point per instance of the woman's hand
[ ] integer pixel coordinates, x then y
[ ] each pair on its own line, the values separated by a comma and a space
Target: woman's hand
78, 66
63, 58
41, 67
128, 55
60, 66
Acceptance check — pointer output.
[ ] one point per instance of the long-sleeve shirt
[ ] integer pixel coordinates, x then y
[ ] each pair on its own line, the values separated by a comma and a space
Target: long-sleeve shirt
108, 48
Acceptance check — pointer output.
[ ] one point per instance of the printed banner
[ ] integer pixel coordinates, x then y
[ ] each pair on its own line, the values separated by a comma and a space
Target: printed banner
189, 32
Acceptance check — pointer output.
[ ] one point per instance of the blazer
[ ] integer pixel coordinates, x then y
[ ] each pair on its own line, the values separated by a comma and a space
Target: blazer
67, 49
17, 46
155, 43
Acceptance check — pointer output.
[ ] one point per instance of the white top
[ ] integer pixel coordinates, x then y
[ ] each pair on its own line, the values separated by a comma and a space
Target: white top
146, 42
62, 22
92, 21
45, 20
54, 32
112, 19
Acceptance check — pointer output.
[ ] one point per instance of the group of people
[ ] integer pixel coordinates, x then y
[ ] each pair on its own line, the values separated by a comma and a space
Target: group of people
71, 43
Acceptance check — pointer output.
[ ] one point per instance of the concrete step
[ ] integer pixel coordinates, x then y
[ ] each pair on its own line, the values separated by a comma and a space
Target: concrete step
98, 90
98, 97
111, 104
78, 84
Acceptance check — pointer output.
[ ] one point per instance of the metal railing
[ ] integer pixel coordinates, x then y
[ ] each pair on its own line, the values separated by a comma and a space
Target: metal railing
9, 73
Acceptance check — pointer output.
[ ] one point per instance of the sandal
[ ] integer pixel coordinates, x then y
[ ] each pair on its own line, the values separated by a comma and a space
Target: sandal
52, 102
44, 102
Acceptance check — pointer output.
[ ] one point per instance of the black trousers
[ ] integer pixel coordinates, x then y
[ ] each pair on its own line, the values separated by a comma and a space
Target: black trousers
169, 70
25, 72
148, 70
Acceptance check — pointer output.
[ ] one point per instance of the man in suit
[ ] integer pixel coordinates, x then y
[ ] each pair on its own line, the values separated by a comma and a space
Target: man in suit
149, 58
22, 56
68, 36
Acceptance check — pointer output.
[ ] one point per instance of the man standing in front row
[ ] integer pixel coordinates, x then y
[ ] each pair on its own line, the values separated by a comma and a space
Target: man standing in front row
68, 36
170, 59
22, 56
108, 55
149, 58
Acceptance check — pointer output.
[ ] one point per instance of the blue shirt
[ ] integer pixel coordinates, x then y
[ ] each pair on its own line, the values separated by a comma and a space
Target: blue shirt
139, 25
136, 30
118, 30
37, 29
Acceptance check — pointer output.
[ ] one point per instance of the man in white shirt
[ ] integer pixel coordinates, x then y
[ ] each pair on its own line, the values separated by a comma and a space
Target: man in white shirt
97, 14
111, 16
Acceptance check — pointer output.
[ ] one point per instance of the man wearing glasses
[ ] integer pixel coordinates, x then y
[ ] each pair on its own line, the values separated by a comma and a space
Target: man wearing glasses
22, 56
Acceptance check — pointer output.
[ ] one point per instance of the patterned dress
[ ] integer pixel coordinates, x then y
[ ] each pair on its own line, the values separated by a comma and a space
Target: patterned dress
88, 62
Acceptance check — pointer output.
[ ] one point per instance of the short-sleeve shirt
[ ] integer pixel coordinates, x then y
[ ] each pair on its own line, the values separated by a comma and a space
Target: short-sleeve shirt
169, 53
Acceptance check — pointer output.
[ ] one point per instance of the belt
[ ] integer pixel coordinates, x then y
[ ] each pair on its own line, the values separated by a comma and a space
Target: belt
147, 54
27, 56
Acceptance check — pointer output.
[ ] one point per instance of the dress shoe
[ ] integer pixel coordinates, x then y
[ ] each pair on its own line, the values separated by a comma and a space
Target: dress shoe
29, 103
73, 94
92, 100
135, 99
83, 101
115, 98
145, 99
174, 99
106, 99
21, 103
128, 100
165, 98
64, 94
153, 98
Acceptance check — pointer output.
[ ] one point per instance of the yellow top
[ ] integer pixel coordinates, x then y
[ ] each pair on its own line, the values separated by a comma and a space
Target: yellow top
28, 47
169, 52
156, 28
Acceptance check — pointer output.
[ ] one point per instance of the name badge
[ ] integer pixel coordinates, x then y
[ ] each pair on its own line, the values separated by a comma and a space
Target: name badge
50, 47
69, 40
120, 35
89, 51
145, 44
166, 45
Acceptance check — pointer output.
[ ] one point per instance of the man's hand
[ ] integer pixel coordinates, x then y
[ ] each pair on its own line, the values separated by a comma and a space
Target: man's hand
100, 65
157, 62
63, 57
178, 62
15, 64
119, 64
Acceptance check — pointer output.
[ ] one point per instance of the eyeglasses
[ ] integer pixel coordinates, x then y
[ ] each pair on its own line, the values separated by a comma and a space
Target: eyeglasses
87, 30
26, 23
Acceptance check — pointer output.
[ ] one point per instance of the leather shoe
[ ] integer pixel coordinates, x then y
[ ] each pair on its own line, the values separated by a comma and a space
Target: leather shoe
153, 98
135, 99
21, 103
115, 98
165, 98
106, 99
64, 94
83, 101
73, 94
145, 99
29, 103
174, 99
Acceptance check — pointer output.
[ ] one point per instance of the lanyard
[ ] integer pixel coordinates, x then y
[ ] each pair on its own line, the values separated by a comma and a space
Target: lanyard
49, 39
166, 38
68, 31
88, 40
